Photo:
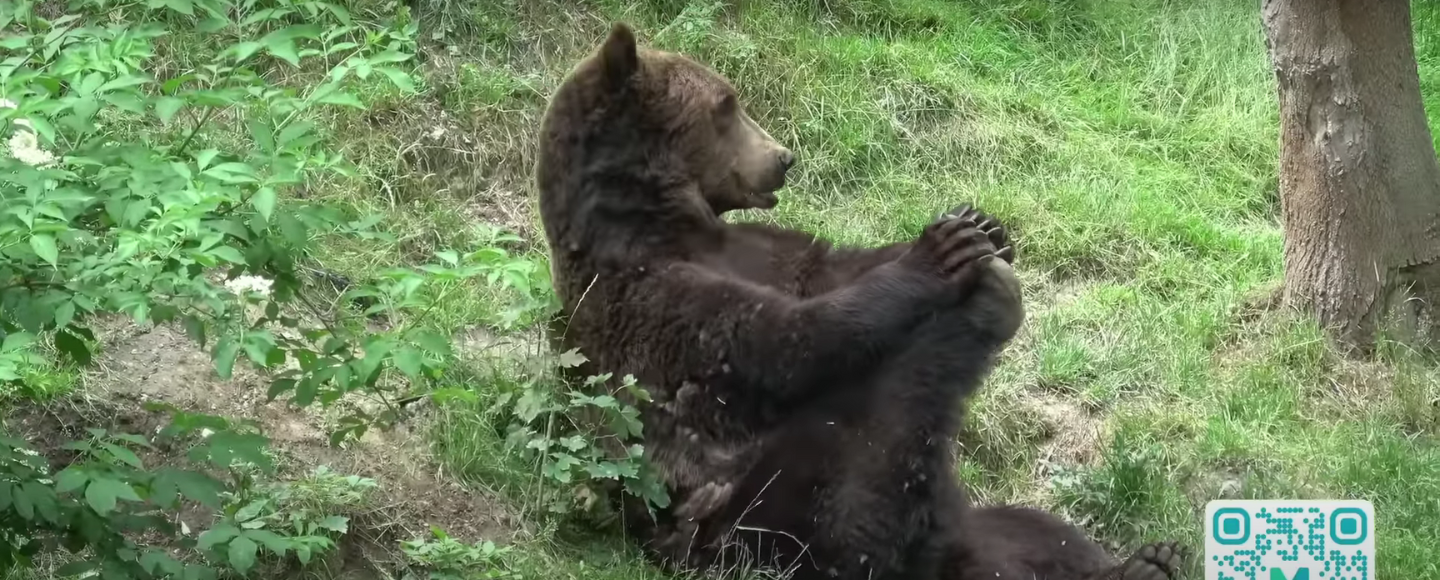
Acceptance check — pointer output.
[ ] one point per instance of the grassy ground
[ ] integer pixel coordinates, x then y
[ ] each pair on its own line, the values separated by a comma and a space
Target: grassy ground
1130, 145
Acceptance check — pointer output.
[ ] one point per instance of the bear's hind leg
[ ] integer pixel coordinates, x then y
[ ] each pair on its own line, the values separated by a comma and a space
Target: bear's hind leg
1158, 561
855, 478
877, 514
1021, 543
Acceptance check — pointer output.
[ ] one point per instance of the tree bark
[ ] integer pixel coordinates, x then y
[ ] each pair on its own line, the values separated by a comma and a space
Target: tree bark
1359, 181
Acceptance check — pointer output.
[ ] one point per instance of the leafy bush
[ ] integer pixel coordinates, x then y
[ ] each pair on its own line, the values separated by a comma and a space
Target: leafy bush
446, 558
106, 496
580, 439
296, 517
124, 190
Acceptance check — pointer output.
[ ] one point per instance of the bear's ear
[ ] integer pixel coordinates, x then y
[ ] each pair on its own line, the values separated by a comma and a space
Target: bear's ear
618, 54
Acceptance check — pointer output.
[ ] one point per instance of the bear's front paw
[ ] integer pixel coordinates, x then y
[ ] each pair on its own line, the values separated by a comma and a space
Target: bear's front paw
950, 250
985, 223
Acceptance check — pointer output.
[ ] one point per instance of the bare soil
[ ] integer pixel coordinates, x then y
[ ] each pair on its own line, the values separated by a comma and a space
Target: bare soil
161, 364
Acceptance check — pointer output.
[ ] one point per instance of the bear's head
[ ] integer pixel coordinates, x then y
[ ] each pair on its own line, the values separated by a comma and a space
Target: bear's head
648, 120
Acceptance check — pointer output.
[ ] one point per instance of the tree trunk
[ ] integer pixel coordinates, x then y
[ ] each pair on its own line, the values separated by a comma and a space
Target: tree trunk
1359, 182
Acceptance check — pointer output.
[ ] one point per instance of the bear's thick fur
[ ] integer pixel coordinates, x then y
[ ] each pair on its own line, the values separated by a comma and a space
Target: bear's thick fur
805, 397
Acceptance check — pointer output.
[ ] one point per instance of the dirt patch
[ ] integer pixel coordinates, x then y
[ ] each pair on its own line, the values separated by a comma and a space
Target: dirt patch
1031, 430
161, 364
1075, 438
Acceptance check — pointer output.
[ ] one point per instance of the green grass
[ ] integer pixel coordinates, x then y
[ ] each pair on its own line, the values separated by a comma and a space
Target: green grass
1130, 145
1132, 149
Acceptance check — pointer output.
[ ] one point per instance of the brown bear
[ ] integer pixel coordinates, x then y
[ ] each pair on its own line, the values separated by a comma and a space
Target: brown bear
805, 397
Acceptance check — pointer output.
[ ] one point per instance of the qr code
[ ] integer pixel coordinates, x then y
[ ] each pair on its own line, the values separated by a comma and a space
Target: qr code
1289, 540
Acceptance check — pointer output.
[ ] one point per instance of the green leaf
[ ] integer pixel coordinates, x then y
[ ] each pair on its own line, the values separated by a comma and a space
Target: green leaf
258, 351
124, 455
216, 536
311, 31
242, 554
284, 49
334, 344
135, 211
24, 504
195, 329
302, 553
15, 340
603, 470
574, 443
341, 98
212, 25
275, 357
85, 108
400, 79
133, 438
157, 561
304, 392
167, 107
198, 572
251, 510
278, 388
64, 313
339, 524
185, 7
123, 82
264, 202
263, 133
559, 470
228, 253
89, 83
232, 172
70, 479
44, 246
127, 101
272, 541
433, 342
340, 13
224, 355
199, 487
572, 358
163, 492
168, 87
72, 346
43, 127
101, 494
409, 361
655, 494
293, 131
230, 227
203, 158
245, 49
293, 229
